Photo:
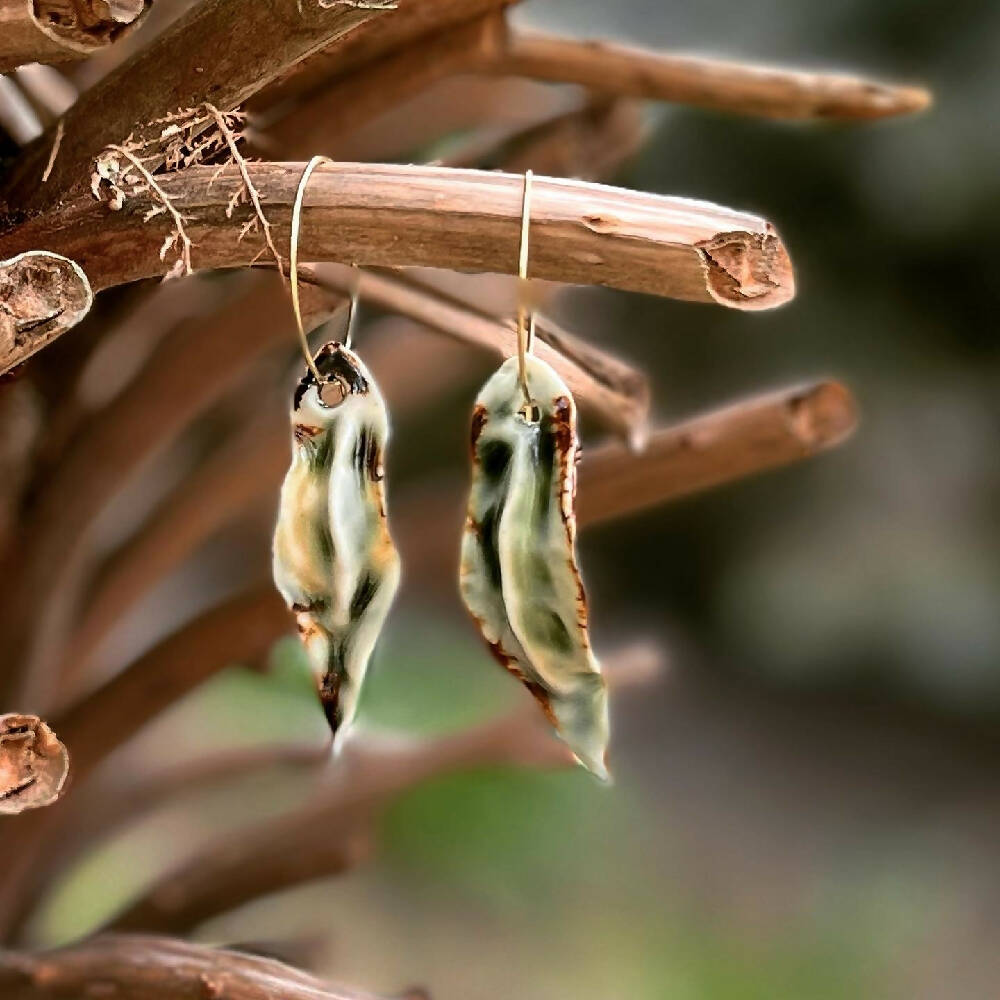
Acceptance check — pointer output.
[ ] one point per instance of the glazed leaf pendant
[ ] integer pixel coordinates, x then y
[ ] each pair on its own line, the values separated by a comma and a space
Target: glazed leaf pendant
519, 575
334, 560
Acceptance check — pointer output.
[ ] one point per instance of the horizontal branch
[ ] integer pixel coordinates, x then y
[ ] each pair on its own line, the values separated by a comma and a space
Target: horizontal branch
42, 295
722, 85
33, 764
130, 967
333, 831
466, 220
55, 31
741, 440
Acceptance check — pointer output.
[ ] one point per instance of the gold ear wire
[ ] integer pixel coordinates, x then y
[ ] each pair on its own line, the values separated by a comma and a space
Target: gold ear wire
293, 264
352, 312
525, 324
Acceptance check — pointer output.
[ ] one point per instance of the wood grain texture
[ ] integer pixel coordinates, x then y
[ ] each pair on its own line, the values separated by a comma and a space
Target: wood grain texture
722, 85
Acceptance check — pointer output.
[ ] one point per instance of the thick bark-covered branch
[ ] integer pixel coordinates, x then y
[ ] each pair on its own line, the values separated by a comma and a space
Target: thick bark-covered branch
221, 51
770, 92
128, 967
33, 764
741, 440
466, 220
55, 31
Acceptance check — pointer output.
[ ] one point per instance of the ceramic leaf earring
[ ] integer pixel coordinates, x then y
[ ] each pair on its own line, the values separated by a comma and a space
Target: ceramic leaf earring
519, 576
334, 560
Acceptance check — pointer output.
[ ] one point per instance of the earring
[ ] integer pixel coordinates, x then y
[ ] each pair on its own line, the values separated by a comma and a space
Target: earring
334, 560
519, 576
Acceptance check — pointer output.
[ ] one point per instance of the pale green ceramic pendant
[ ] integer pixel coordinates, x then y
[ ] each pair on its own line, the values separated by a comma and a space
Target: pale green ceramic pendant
334, 560
519, 575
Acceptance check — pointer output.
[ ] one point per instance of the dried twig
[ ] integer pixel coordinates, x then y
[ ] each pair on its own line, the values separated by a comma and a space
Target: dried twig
238, 159
718, 447
713, 83
333, 831
38, 31
748, 437
33, 764
147, 968
460, 219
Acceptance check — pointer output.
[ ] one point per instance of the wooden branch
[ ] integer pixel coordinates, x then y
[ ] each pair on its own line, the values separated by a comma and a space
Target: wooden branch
129, 967
42, 295
592, 142
431, 216
183, 67
33, 764
315, 124
414, 26
718, 447
741, 440
617, 393
54, 31
718, 84
333, 831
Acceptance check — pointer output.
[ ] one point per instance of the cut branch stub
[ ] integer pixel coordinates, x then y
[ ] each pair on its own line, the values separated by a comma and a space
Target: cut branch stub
53, 31
33, 764
42, 295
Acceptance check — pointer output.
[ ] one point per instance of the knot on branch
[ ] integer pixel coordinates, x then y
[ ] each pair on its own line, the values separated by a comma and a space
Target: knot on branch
33, 764
42, 295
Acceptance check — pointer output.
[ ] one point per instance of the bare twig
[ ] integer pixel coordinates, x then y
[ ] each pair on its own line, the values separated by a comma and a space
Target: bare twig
33, 764
333, 831
741, 440
39, 31
713, 83
145, 968
591, 142
718, 447
318, 122
17, 117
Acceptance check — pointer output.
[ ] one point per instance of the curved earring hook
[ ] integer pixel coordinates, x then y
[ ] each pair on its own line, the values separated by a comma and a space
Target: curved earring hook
525, 323
293, 262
